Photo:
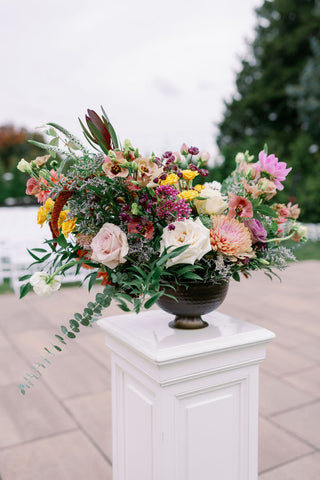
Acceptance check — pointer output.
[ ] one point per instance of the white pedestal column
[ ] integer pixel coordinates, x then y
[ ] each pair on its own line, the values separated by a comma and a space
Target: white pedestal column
185, 402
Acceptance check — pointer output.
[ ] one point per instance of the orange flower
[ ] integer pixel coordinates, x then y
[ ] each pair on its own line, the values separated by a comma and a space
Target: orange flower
230, 237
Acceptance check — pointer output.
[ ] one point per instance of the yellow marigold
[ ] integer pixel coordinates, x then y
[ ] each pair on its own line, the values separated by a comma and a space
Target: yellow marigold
199, 188
188, 194
63, 217
170, 180
49, 204
68, 226
41, 216
189, 174
230, 237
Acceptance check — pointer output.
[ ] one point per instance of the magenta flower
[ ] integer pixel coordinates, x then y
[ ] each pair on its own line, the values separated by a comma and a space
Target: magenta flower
276, 170
258, 232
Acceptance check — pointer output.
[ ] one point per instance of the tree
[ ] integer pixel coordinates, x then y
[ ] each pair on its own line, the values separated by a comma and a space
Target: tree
14, 145
264, 109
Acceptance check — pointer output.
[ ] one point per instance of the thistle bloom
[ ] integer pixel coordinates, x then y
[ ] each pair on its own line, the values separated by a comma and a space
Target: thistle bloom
239, 206
230, 237
270, 164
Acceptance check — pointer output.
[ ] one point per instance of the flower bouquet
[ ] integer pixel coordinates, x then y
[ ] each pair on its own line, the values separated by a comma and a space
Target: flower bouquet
144, 225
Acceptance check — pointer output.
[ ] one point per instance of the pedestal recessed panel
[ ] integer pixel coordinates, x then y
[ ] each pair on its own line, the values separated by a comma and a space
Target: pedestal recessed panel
138, 431
210, 434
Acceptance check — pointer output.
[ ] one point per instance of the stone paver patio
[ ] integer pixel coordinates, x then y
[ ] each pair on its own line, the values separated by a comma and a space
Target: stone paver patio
61, 430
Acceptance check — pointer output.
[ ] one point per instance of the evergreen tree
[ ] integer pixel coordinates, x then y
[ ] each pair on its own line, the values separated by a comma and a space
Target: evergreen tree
273, 98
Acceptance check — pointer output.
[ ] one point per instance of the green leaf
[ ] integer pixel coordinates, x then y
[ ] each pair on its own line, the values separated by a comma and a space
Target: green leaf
78, 317
85, 322
54, 141
60, 339
57, 348
193, 276
24, 289
172, 254
91, 281
123, 307
236, 276
64, 329
71, 335
62, 242
41, 250
25, 277
152, 300
265, 210
33, 255
206, 221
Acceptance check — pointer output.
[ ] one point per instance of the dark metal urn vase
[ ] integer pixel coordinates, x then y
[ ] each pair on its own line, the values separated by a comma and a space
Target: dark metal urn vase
193, 300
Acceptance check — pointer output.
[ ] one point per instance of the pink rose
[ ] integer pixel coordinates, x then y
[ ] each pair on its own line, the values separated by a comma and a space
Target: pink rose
33, 186
109, 246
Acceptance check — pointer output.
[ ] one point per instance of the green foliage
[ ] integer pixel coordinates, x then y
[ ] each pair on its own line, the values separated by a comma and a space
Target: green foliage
278, 100
14, 145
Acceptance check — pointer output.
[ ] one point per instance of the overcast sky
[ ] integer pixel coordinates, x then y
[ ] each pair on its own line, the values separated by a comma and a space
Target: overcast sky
160, 69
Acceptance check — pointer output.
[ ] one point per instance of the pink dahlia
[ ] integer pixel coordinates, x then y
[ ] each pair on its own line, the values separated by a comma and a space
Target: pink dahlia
270, 164
239, 206
230, 237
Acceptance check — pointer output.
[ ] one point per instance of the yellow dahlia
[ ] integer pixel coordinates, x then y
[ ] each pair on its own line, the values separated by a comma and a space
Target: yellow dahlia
41, 216
49, 204
230, 237
188, 194
189, 174
199, 187
170, 180
68, 226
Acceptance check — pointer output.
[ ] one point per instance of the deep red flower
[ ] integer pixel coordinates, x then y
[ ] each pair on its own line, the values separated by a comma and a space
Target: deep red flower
135, 226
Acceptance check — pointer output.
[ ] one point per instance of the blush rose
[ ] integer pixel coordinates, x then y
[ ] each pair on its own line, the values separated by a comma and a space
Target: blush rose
109, 246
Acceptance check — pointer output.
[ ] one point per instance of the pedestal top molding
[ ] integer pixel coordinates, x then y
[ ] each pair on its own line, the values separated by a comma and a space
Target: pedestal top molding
149, 335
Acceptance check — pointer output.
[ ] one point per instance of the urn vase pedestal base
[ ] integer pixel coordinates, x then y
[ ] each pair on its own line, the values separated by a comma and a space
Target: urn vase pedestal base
184, 402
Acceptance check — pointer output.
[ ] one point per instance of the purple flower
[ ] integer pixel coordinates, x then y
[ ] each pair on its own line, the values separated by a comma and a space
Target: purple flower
270, 164
203, 172
171, 227
166, 190
167, 154
193, 150
258, 232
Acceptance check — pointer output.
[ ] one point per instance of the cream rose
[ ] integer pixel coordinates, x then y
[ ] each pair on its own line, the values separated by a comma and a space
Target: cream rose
214, 204
44, 287
109, 246
190, 232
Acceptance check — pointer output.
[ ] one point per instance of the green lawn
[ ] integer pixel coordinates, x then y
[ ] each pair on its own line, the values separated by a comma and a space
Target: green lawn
309, 251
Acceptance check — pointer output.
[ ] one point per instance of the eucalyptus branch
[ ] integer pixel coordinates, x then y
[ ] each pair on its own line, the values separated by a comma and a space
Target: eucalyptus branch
90, 315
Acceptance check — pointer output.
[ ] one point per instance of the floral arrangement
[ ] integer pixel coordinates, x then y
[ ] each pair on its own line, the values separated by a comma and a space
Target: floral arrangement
140, 224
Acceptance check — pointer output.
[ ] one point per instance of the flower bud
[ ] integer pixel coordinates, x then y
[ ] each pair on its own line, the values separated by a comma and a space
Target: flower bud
184, 149
24, 166
240, 157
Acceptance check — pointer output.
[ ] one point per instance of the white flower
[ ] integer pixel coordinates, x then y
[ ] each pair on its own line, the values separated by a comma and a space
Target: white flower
240, 157
190, 232
215, 203
42, 286
214, 185
109, 246
24, 166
